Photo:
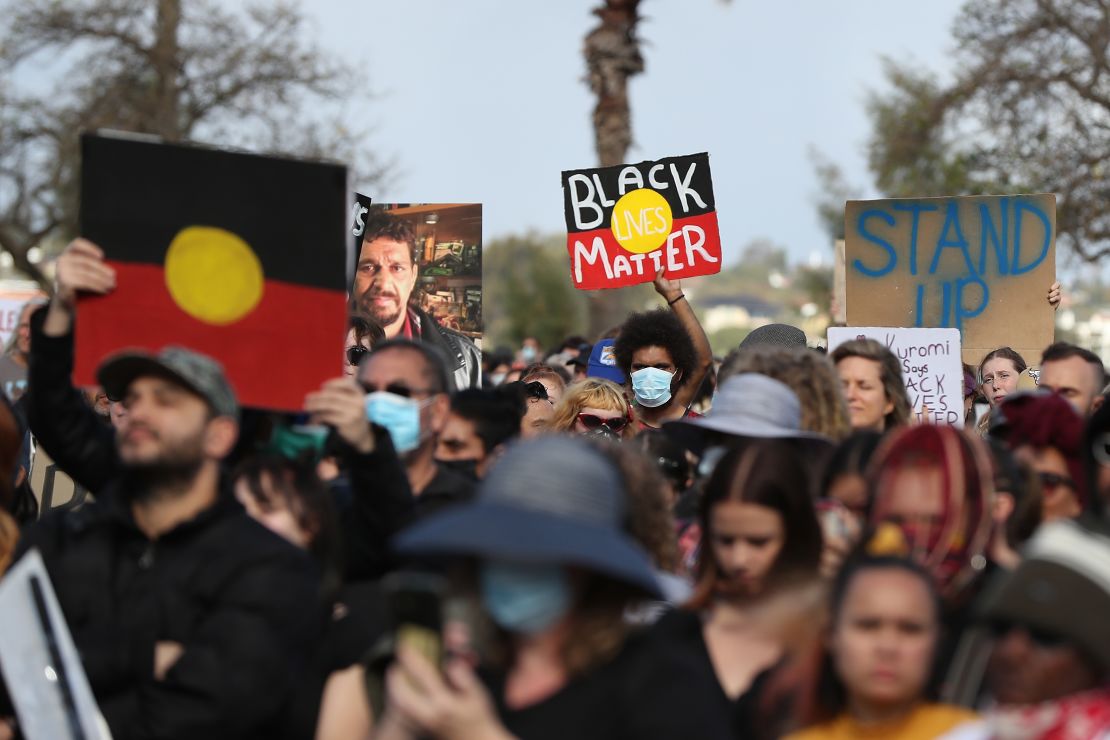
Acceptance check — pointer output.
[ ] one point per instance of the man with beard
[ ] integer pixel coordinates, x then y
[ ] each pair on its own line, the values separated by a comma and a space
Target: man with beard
385, 276
189, 616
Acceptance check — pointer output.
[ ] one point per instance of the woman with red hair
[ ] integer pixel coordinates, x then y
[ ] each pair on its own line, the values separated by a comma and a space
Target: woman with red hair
936, 485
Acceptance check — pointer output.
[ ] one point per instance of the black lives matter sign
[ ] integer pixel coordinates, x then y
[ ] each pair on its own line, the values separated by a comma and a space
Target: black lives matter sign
626, 223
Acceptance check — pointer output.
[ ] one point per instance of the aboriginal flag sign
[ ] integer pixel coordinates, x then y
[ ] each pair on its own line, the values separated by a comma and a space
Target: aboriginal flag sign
238, 256
626, 223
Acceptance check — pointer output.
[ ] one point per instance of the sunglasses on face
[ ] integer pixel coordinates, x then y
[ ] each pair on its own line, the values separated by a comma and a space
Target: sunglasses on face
356, 353
397, 389
1001, 628
591, 422
1052, 480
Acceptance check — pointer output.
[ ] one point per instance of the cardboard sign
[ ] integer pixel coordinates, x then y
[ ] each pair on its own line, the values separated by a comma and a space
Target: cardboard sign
626, 223
931, 367
236, 256
980, 264
52, 487
42, 670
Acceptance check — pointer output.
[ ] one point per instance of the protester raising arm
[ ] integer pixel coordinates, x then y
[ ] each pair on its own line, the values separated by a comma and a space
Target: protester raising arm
382, 502
74, 436
671, 291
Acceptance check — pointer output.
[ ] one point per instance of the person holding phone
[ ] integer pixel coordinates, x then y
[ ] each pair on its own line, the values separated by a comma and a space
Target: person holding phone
554, 573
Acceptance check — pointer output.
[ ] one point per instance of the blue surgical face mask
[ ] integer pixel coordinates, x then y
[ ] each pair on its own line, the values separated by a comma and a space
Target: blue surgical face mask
525, 598
399, 415
528, 354
652, 386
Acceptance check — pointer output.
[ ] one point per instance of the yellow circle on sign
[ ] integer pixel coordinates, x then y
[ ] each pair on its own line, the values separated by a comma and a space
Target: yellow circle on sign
213, 275
641, 221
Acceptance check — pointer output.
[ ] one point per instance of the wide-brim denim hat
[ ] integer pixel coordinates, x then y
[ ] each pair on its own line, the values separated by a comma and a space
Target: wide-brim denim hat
550, 500
751, 405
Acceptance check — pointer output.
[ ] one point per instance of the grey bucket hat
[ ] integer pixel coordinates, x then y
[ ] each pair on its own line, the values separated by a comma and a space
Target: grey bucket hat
550, 500
199, 373
751, 405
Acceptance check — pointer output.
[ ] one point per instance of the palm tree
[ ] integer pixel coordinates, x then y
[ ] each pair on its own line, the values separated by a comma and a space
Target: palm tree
612, 52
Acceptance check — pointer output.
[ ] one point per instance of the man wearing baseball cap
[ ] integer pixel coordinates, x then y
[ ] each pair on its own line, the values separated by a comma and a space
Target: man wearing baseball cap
189, 616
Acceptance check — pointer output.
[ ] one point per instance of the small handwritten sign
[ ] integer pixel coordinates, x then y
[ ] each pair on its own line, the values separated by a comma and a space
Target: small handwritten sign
931, 367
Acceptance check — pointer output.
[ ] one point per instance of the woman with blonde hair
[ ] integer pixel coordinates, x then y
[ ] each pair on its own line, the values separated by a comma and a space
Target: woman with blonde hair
594, 404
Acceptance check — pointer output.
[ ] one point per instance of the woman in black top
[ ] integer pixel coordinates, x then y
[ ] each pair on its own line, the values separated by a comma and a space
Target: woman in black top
556, 574
760, 551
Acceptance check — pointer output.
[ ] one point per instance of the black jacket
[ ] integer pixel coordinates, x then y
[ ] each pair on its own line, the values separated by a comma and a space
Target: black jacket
75, 437
377, 504
463, 356
243, 602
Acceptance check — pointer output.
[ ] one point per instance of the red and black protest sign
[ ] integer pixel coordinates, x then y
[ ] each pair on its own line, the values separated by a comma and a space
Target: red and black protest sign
238, 256
626, 223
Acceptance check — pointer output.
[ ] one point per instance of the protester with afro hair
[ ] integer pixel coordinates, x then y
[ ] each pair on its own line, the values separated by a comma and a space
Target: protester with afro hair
665, 356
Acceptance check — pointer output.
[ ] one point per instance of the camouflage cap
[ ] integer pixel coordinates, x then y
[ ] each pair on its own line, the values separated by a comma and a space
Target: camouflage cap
199, 373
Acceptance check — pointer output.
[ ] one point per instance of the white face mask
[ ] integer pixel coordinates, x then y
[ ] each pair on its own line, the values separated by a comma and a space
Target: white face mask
652, 386
497, 378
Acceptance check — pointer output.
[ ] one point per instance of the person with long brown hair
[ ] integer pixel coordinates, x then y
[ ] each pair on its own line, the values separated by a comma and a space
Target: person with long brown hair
761, 538
871, 379
1000, 373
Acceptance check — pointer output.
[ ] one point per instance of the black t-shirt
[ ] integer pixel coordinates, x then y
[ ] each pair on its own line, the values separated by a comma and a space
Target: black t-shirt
747, 717
650, 691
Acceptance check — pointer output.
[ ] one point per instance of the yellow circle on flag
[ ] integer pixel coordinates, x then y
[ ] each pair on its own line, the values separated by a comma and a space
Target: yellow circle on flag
641, 220
213, 275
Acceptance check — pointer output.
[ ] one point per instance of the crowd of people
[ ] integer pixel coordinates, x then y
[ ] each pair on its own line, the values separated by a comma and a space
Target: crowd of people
617, 538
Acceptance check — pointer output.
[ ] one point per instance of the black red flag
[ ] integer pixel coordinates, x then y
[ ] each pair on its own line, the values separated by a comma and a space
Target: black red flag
238, 256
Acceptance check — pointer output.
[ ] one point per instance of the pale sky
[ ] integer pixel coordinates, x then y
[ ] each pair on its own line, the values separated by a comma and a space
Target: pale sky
482, 100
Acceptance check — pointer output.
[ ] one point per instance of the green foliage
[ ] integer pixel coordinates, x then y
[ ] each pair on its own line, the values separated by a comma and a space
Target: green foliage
816, 284
833, 191
528, 291
725, 340
1026, 111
